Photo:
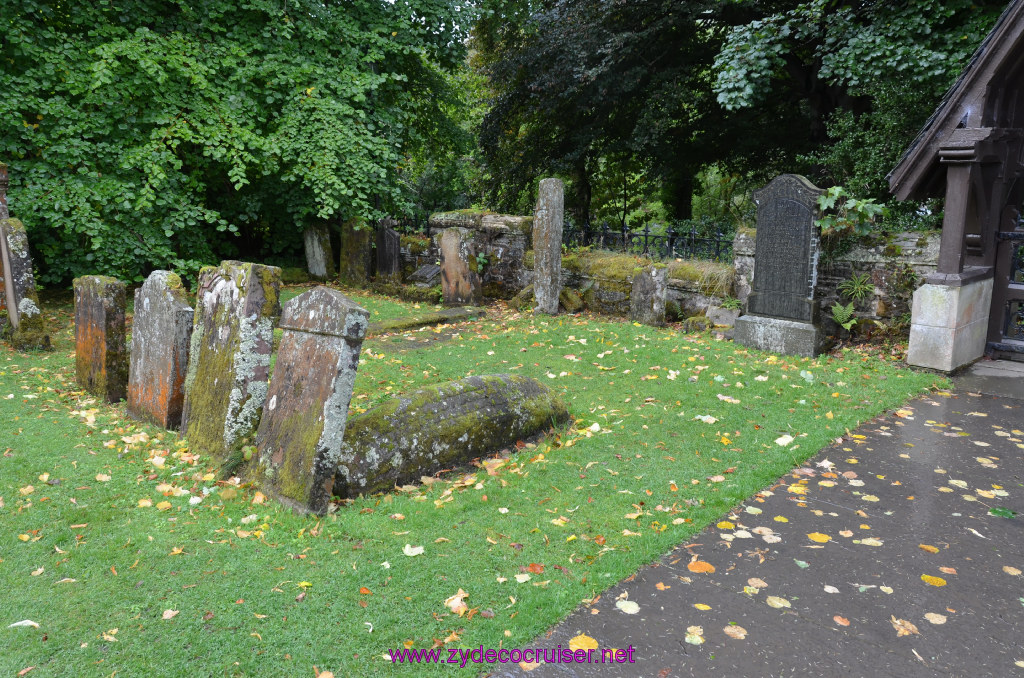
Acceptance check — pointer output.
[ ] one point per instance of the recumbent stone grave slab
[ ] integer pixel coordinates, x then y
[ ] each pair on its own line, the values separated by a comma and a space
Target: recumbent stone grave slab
782, 314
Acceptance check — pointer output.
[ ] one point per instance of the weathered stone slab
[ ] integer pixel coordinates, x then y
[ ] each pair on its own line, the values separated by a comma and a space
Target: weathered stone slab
460, 282
237, 306
547, 245
778, 335
319, 255
426, 275
356, 253
442, 426
389, 253
647, 298
101, 357
300, 434
161, 337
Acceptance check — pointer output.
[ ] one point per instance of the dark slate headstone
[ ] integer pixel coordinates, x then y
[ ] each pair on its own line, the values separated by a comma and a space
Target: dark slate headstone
547, 245
237, 306
460, 282
389, 253
300, 434
161, 335
427, 275
101, 357
647, 296
786, 250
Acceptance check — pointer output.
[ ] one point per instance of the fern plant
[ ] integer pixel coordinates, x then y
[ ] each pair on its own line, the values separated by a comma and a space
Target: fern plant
857, 288
843, 315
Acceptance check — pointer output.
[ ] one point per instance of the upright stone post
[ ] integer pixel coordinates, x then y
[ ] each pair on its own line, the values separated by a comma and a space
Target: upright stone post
460, 282
354, 260
24, 324
237, 306
101, 357
300, 434
648, 295
319, 256
547, 245
161, 335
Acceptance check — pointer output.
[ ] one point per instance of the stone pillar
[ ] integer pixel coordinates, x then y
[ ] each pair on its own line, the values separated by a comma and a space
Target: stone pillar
237, 306
547, 245
949, 324
647, 298
17, 283
460, 282
161, 335
389, 253
101, 357
319, 256
354, 261
300, 434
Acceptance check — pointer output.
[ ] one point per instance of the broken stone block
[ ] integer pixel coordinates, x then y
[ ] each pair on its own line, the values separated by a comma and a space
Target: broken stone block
570, 300
356, 250
24, 323
237, 306
319, 255
161, 336
101, 357
389, 253
426, 275
647, 297
547, 245
300, 434
440, 427
460, 282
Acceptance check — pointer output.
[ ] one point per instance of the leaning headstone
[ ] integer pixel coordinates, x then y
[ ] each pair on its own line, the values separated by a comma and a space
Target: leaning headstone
237, 306
426, 275
300, 433
547, 245
101, 357
647, 297
319, 257
354, 258
460, 283
782, 313
161, 334
389, 253
24, 323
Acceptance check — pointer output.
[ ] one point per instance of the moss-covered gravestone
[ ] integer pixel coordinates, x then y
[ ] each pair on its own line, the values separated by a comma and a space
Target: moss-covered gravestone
440, 427
101, 357
356, 251
547, 245
647, 297
20, 317
300, 433
237, 306
460, 282
161, 334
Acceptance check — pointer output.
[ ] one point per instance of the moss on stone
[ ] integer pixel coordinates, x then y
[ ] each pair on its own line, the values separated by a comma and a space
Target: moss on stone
294, 275
529, 258
697, 323
711, 278
448, 315
415, 244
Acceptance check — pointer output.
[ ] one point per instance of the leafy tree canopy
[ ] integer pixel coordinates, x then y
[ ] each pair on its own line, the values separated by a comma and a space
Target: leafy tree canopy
141, 133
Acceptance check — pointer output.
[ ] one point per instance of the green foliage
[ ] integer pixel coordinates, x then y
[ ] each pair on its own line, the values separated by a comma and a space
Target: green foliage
723, 197
857, 288
149, 133
844, 315
844, 215
731, 304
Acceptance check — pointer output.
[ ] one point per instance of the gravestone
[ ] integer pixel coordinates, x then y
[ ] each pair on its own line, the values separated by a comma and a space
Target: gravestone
354, 258
319, 256
237, 306
389, 252
647, 297
300, 433
547, 245
426, 275
101, 357
460, 282
24, 322
782, 314
161, 336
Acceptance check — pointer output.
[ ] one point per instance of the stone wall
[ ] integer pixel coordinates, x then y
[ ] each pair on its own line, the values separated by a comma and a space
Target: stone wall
897, 266
501, 238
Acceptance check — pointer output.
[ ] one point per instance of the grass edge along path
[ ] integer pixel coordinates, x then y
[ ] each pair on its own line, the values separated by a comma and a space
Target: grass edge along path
132, 558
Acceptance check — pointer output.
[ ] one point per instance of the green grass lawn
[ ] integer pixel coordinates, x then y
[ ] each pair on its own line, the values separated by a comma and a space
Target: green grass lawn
129, 569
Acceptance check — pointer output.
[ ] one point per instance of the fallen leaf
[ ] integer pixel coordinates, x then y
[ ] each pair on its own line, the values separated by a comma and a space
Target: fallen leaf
412, 551
735, 632
170, 614
819, 537
842, 621
934, 581
935, 618
757, 583
903, 627
701, 567
694, 635
102, 477
535, 568
457, 602
1011, 570
928, 548
582, 642
23, 623
947, 570
702, 607
36, 573
627, 606
777, 602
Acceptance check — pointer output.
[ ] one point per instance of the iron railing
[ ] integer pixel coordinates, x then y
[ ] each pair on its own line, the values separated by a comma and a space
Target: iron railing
710, 242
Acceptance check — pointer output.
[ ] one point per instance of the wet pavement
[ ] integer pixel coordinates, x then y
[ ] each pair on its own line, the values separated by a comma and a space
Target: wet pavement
892, 553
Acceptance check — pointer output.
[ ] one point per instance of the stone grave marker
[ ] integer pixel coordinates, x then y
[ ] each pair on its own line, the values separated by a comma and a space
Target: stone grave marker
426, 275
547, 245
389, 252
300, 433
319, 256
161, 335
460, 282
355, 252
18, 296
237, 306
782, 313
647, 297
101, 357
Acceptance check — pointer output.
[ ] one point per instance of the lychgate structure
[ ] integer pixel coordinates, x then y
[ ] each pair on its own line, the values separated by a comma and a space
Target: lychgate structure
972, 152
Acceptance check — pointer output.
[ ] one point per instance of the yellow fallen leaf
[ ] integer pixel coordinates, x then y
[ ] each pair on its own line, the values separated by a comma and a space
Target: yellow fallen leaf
36, 573
702, 607
27, 490
1011, 570
725, 525
164, 505
781, 519
777, 602
928, 548
934, 581
145, 503
176, 551
24, 537
582, 642
819, 537
457, 602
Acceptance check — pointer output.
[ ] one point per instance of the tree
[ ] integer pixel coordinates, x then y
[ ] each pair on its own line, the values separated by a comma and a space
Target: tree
144, 133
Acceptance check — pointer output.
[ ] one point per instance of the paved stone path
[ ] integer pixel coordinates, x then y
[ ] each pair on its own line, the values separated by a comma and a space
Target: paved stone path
880, 557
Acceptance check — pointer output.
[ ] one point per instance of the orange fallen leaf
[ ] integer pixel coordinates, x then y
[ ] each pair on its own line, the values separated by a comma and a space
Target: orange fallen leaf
928, 547
903, 627
535, 568
842, 621
700, 566
365, 591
